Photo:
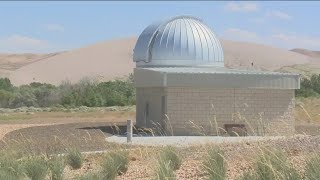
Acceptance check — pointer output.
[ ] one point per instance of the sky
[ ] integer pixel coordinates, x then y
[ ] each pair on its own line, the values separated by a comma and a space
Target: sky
50, 26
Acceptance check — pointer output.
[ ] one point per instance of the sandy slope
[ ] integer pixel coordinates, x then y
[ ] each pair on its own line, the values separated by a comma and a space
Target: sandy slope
11, 62
113, 59
314, 54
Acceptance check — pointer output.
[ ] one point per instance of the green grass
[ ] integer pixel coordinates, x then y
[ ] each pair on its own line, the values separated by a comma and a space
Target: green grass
215, 164
36, 168
74, 158
56, 166
313, 168
115, 163
170, 155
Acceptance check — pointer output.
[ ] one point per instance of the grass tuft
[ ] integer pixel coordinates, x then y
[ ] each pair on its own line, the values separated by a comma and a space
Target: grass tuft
171, 156
10, 168
313, 168
36, 168
74, 158
215, 164
56, 166
116, 163
275, 165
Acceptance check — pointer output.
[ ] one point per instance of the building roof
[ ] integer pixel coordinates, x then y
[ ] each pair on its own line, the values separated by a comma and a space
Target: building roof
179, 41
216, 77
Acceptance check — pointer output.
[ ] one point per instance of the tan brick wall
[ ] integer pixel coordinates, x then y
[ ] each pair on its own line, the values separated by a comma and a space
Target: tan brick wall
204, 110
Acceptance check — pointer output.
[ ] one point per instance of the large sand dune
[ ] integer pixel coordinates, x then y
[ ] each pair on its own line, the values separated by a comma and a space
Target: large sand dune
113, 59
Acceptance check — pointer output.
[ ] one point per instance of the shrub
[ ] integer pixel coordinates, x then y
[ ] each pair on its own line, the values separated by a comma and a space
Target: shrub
36, 168
313, 168
116, 163
10, 168
74, 158
274, 165
56, 166
164, 171
171, 156
215, 164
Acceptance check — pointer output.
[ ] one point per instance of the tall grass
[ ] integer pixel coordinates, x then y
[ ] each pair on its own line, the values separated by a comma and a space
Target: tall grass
171, 156
169, 160
215, 164
36, 168
116, 163
313, 168
274, 165
56, 166
74, 158
10, 167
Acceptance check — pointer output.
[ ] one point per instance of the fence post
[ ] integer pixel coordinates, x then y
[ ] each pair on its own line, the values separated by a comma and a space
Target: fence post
129, 131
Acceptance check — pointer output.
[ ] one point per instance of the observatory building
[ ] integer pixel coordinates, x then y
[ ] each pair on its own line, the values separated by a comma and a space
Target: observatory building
183, 88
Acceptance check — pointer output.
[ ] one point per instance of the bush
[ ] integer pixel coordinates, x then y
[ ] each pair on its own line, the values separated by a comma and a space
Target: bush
170, 155
215, 164
56, 166
313, 168
116, 163
74, 158
83, 93
274, 165
36, 168
164, 171
10, 168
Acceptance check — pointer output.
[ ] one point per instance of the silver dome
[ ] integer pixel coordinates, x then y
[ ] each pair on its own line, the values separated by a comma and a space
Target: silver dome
180, 41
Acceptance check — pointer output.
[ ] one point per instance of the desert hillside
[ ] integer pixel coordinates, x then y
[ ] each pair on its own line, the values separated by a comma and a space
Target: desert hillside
113, 59
12, 62
314, 54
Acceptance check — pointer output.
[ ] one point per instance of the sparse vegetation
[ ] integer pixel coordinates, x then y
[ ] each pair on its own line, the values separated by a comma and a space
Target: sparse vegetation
272, 165
74, 158
215, 164
56, 166
10, 167
36, 168
89, 176
116, 163
170, 155
313, 168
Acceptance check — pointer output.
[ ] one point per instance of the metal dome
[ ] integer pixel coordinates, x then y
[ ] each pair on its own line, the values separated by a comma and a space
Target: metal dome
180, 41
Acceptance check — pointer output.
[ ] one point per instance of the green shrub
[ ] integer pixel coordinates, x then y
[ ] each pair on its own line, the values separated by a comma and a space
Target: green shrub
10, 168
215, 164
36, 168
313, 168
274, 165
170, 155
116, 163
74, 158
56, 166
164, 171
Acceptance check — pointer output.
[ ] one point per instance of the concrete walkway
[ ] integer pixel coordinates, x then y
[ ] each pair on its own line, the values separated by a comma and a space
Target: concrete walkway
183, 141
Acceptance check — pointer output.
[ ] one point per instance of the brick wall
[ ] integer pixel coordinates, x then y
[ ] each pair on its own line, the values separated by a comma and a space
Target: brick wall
206, 110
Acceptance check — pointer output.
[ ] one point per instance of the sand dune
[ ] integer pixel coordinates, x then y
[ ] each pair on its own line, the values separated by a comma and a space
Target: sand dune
313, 54
113, 59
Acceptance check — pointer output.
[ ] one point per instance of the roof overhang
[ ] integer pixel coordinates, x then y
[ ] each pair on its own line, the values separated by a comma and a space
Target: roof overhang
214, 78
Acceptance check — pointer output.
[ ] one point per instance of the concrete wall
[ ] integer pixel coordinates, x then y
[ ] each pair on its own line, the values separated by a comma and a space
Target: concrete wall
206, 110
156, 112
